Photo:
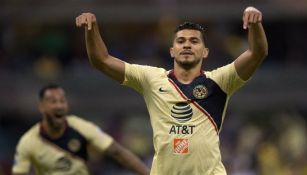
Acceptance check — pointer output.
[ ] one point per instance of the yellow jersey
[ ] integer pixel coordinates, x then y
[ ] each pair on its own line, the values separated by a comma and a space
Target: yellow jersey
186, 118
65, 155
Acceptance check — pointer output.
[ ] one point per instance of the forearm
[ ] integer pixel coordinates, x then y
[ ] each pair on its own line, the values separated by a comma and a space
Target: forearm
133, 163
128, 159
247, 63
258, 45
96, 48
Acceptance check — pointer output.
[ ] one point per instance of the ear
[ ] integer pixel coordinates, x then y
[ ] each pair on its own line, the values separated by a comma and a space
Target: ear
206, 52
171, 52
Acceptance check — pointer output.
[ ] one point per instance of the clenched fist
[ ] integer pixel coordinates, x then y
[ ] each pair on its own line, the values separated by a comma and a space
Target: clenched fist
251, 15
86, 19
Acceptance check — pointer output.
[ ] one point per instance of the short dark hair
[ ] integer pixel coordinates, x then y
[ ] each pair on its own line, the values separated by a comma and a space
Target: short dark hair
191, 26
47, 87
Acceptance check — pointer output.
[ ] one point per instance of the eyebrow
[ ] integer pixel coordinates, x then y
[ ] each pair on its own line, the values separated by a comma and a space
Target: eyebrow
188, 38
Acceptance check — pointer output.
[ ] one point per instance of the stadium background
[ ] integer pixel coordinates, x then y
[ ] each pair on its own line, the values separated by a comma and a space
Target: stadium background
265, 127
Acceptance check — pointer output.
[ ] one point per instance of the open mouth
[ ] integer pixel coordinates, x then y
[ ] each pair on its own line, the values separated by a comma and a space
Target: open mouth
59, 115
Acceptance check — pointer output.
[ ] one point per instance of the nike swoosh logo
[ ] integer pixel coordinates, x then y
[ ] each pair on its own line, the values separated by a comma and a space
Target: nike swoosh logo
162, 90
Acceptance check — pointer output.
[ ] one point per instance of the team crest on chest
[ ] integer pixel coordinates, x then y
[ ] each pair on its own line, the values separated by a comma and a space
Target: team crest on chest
74, 145
63, 164
200, 92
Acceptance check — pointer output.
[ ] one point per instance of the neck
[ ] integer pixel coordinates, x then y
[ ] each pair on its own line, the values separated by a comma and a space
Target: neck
186, 76
51, 131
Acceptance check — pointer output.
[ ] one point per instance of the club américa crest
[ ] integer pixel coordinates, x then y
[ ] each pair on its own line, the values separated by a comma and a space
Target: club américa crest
200, 92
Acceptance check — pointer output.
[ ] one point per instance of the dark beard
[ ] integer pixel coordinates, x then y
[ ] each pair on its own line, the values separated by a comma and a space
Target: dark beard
187, 65
51, 123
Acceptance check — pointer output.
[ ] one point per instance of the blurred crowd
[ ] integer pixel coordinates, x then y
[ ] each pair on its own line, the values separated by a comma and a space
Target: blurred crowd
34, 47
265, 142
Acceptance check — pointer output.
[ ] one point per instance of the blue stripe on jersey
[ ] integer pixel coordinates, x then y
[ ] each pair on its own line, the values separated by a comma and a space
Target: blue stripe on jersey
70, 135
214, 103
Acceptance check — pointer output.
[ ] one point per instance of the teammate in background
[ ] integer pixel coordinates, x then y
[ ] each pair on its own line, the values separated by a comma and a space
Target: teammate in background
59, 143
186, 105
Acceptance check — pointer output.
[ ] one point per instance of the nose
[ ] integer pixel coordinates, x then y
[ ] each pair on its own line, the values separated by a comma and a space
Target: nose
59, 105
187, 45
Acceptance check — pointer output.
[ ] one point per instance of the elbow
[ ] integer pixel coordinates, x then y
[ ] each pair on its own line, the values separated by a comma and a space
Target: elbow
94, 62
262, 53
97, 61
265, 52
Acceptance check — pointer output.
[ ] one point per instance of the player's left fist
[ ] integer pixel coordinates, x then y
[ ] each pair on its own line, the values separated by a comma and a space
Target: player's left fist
251, 15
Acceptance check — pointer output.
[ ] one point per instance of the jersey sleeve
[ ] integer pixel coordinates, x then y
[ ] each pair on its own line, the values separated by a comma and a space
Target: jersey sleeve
227, 78
94, 135
22, 159
138, 77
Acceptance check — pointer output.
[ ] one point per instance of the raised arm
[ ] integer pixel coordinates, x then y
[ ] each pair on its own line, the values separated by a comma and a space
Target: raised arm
247, 63
127, 159
97, 51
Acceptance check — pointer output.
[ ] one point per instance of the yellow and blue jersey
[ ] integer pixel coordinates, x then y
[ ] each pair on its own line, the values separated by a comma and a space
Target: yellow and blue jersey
186, 118
64, 155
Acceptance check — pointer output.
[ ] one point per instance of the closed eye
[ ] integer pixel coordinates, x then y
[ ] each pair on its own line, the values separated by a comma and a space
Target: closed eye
180, 40
195, 40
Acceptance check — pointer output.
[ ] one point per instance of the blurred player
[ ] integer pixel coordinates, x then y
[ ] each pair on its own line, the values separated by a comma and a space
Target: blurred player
186, 105
58, 144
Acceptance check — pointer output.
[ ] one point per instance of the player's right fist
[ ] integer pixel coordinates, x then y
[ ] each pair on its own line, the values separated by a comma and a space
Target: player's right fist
86, 20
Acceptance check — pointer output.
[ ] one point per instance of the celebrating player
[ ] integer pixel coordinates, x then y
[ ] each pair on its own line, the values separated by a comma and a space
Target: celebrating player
186, 104
58, 144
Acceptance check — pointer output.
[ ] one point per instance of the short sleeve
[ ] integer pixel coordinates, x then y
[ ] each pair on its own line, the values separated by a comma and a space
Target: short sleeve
227, 78
100, 139
138, 77
22, 159
93, 134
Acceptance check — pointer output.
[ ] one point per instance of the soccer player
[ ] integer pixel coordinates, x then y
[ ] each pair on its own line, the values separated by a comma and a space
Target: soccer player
58, 144
186, 104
